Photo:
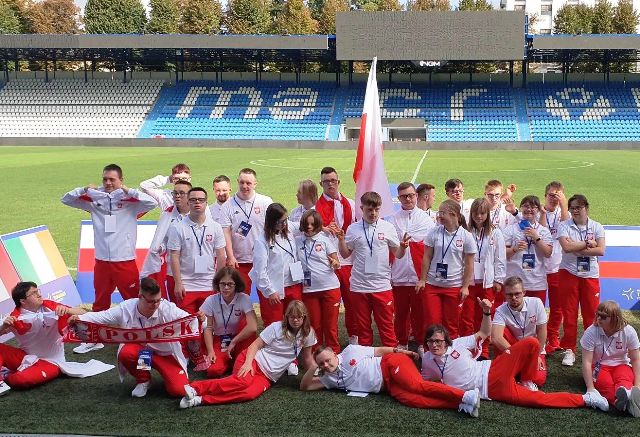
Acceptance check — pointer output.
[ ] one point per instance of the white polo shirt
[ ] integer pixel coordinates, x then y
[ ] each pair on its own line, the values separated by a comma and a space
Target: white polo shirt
235, 211
465, 208
114, 217
272, 265
226, 316
521, 323
278, 352
456, 245
296, 214
592, 231
417, 224
610, 351
314, 253
552, 264
196, 243
358, 370
501, 218
536, 278
458, 368
370, 243
490, 262
216, 211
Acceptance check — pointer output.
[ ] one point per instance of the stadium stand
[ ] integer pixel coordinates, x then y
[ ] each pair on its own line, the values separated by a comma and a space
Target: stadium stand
74, 108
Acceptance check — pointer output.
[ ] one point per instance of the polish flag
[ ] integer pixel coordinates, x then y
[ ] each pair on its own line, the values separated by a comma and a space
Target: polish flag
368, 171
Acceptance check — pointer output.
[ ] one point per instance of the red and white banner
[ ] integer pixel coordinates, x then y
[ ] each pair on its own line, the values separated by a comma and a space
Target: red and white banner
185, 328
368, 172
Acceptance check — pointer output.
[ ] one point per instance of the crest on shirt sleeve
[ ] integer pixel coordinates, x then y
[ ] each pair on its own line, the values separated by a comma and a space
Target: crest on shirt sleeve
353, 362
455, 354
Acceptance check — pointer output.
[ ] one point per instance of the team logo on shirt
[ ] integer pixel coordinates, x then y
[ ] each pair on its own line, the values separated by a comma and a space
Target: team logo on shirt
119, 205
455, 355
380, 235
209, 238
318, 247
257, 210
590, 235
237, 313
533, 319
618, 345
353, 362
458, 243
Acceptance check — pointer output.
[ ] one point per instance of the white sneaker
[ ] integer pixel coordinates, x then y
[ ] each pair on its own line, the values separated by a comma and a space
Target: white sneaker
569, 358
4, 388
141, 389
87, 347
594, 399
292, 370
622, 399
190, 392
530, 385
192, 402
353, 339
471, 402
634, 402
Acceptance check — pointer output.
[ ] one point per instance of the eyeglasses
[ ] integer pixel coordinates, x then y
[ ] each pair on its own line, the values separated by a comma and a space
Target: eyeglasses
330, 181
294, 317
602, 316
179, 193
35, 292
406, 196
198, 200
528, 207
576, 207
226, 284
493, 195
435, 341
151, 301
456, 191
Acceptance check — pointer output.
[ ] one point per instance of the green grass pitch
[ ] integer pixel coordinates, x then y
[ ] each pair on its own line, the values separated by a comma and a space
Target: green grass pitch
38, 176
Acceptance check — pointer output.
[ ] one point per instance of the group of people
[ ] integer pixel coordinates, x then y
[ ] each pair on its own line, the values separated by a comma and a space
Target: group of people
443, 285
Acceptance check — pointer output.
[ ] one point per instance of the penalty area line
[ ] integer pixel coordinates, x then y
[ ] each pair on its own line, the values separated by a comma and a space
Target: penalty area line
415, 173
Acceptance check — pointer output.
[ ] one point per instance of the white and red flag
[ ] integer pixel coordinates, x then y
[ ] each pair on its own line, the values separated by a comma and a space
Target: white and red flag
368, 171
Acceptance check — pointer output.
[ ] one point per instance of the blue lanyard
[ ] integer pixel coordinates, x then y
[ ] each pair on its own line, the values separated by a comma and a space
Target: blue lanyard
442, 369
586, 230
495, 220
242, 208
341, 378
201, 242
110, 208
225, 323
530, 241
290, 246
524, 324
366, 237
444, 252
603, 353
479, 245
308, 255
555, 219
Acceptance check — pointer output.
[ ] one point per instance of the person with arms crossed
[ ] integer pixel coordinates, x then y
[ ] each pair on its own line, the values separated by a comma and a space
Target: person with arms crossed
529, 244
447, 267
261, 365
196, 244
338, 212
611, 359
114, 210
321, 287
409, 306
222, 190
156, 265
521, 317
231, 322
242, 220
452, 362
370, 241
37, 325
583, 241
489, 269
554, 212
146, 311
365, 369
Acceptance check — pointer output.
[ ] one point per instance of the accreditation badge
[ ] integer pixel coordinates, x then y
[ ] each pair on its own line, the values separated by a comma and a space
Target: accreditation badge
144, 359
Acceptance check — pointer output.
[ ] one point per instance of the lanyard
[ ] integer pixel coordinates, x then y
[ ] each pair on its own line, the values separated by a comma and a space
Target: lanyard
290, 247
495, 219
529, 240
110, 208
586, 230
201, 242
444, 252
603, 350
480, 244
308, 255
442, 369
524, 324
366, 237
555, 219
295, 345
225, 322
140, 321
341, 378
243, 210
